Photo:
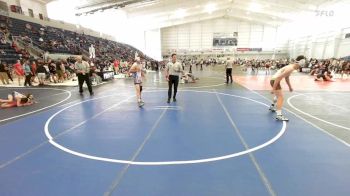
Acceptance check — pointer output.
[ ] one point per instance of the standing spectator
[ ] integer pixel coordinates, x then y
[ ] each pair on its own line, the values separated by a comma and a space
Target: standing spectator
46, 56
116, 66
92, 52
41, 72
64, 66
9, 71
83, 70
28, 73
52, 70
19, 72
60, 71
33, 68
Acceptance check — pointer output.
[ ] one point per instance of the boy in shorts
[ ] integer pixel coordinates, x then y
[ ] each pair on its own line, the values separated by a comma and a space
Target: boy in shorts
284, 72
138, 73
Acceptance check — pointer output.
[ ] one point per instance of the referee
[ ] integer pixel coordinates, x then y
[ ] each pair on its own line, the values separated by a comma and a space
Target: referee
172, 73
229, 70
83, 72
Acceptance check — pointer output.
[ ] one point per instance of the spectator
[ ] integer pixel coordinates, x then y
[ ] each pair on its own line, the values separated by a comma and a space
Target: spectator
3, 73
41, 72
19, 72
27, 73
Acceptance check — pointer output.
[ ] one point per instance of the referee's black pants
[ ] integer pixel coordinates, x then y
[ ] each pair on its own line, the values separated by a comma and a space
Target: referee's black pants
228, 74
173, 80
81, 79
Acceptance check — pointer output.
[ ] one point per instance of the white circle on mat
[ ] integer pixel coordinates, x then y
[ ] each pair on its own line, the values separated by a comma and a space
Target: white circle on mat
195, 161
312, 116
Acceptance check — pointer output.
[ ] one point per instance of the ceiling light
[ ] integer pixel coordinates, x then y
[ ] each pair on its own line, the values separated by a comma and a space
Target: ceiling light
209, 8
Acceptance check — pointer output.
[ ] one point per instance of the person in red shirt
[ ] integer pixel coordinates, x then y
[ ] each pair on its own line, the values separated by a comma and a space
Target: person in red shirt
19, 72
116, 66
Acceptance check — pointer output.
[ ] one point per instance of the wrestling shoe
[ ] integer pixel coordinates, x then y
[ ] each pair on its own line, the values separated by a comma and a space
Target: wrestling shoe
141, 103
281, 118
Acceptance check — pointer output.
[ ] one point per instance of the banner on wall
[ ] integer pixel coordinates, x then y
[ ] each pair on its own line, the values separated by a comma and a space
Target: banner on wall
249, 49
225, 39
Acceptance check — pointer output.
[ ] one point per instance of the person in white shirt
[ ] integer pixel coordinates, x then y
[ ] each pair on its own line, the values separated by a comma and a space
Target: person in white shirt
92, 52
228, 67
172, 72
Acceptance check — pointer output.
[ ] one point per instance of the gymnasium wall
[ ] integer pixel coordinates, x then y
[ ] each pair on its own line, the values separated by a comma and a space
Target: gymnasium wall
324, 45
152, 45
36, 6
199, 36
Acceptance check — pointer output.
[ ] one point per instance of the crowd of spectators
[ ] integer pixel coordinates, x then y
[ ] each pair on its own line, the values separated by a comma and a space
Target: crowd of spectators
110, 55
56, 40
324, 69
329, 69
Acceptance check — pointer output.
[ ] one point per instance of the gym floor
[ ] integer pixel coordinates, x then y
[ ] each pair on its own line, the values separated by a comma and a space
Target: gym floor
217, 139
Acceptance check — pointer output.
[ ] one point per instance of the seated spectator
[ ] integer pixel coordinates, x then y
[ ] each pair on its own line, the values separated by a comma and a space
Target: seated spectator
96, 79
345, 69
52, 70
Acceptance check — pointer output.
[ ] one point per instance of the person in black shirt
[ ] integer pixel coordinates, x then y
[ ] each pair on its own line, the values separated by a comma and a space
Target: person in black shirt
41, 73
